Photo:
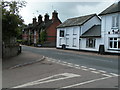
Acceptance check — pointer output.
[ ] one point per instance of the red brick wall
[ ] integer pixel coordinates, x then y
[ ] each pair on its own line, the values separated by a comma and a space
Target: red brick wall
52, 31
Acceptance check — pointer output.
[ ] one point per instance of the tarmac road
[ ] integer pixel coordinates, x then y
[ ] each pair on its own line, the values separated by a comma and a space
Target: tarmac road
107, 63
60, 69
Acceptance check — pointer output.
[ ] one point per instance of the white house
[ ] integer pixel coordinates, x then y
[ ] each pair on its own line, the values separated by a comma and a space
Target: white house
110, 28
76, 33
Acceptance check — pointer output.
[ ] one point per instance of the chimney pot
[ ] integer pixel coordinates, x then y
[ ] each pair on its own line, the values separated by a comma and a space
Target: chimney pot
46, 17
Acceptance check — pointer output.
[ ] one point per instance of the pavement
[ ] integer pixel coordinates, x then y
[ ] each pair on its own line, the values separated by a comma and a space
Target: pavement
23, 59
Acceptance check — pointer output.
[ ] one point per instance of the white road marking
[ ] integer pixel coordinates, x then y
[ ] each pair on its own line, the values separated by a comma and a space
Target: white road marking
83, 66
64, 62
114, 74
86, 82
49, 79
92, 68
95, 72
77, 65
102, 71
85, 69
69, 63
107, 75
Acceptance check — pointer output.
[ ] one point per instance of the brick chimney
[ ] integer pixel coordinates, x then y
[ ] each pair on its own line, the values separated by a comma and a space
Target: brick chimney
40, 19
54, 15
34, 20
46, 17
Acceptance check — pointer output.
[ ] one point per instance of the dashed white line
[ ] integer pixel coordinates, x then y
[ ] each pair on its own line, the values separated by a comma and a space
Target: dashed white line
114, 74
77, 65
83, 66
95, 72
69, 63
107, 75
64, 62
85, 69
92, 68
102, 71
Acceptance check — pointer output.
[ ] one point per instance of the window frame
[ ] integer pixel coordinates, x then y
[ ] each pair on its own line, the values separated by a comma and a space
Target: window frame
74, 33
74, 42
112, 42
67, 42
62, 31
89, 44
115, 21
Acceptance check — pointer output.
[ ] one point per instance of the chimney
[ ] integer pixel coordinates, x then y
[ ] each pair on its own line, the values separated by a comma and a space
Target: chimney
34, 20
54, 15
46, 17
39, 18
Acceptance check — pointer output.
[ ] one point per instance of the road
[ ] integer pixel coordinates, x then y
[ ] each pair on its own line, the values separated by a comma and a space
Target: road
61, 69
108, 64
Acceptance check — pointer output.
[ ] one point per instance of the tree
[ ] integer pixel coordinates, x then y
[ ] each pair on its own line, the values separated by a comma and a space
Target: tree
43, 35
12, 22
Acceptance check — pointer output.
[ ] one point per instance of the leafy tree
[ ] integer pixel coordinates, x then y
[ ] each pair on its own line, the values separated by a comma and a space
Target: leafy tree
12, 22
43, 35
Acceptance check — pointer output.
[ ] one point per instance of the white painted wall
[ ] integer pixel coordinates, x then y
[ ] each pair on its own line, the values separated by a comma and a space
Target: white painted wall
93, 21
83, 45
79, 30
107, 27
73, 34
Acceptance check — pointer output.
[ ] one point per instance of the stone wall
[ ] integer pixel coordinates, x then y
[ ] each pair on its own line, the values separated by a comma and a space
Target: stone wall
10, 50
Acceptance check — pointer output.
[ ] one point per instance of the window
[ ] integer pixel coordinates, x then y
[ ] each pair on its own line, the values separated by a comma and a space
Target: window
60, 41
114, 43
74, 42
74, 31
67, 41
67, 33
61, 33
90, 43
114, 21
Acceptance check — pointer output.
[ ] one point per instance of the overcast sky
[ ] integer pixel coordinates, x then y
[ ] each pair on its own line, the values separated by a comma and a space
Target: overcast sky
65, 8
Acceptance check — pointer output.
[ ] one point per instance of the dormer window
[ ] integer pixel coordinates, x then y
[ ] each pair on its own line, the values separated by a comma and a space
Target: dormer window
115, 21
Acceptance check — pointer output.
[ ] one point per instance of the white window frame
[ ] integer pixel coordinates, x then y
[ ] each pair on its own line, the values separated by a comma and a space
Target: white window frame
63, 33
112, 42
90, 40
74, 42
60, 41
67, 33
74, 31
67, 42
115, 21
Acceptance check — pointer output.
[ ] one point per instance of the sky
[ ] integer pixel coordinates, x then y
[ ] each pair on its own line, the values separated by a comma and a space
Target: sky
66, 8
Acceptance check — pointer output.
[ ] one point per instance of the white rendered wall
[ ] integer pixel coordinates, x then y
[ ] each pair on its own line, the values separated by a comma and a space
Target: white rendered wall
107, 27
93, 21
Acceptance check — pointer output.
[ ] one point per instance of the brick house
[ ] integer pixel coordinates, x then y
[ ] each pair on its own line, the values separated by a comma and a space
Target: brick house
32, 33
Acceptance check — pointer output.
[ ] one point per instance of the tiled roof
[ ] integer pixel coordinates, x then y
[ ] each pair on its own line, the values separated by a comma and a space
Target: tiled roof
112, 9
76, 21
94, 31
